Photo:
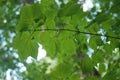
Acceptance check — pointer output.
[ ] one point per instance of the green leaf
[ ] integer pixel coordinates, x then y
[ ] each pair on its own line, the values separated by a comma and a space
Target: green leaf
108, 48
91, 78
114, 43
48, 41
50, 23
37, 11
93, 43
24, 26
69, 9
75, 77
79, 19
26, 13
87, 65
98, 57
94, 27
107, 27
110, 75
61, 71
26, 19
67, 47
102, 68
101, 17
25, 45
62, 21
49, 8
82, 42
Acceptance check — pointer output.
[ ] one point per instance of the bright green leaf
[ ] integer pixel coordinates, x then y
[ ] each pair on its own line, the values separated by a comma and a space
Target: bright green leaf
25, 45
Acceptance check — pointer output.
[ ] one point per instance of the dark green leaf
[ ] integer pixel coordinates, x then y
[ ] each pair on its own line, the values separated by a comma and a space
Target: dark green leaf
69, 9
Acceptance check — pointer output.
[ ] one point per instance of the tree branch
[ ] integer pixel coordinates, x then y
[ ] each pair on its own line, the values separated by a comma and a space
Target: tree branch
77, 31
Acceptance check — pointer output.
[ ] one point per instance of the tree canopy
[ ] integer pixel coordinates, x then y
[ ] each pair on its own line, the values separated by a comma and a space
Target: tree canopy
80, 45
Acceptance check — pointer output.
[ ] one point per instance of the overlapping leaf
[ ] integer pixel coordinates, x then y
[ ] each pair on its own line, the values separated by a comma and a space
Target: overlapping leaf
62, 71
26, 45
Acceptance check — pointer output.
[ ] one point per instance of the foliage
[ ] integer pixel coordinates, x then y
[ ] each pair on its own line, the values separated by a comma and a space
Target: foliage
67, 34
8, 19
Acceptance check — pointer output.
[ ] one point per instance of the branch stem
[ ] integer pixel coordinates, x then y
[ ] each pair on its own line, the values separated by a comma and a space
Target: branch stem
77, 31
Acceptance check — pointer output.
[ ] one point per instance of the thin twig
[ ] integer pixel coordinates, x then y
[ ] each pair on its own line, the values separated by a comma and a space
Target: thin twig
77, 31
